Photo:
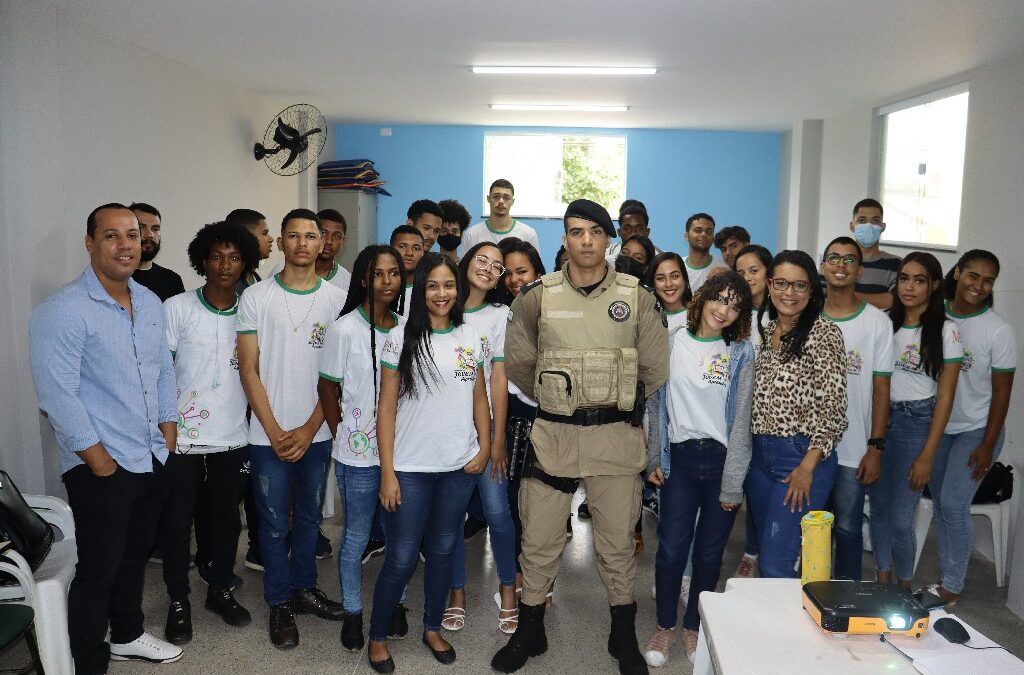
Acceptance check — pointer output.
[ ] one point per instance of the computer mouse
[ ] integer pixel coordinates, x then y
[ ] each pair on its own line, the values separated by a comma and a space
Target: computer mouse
952, 630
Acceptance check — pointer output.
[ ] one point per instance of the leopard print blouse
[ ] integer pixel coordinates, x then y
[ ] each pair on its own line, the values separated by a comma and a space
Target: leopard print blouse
805, 395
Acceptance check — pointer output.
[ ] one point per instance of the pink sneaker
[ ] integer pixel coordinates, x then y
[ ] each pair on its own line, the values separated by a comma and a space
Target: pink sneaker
656, 649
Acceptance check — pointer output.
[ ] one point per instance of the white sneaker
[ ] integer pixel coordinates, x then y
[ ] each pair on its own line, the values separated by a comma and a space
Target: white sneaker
145, 648
656, 649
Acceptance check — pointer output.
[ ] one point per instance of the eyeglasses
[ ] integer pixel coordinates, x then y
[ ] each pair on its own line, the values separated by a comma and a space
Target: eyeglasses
484, 263
781, 285
834, 259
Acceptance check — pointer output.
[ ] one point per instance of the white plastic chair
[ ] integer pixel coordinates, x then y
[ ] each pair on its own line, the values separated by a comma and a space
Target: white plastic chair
47, 590
998, 516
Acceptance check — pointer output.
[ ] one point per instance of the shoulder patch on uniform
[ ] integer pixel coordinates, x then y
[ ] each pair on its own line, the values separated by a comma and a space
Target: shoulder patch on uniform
550, 279
530, 286
626, 280
619, 310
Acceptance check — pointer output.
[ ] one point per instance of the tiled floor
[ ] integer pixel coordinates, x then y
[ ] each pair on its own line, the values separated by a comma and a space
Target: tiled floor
577, 624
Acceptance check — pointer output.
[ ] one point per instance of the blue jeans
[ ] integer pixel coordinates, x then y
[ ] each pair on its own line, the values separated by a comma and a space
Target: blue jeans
952, 488
773, 459
847, 504
494, 497
359, 489
893, 499
283, 487
694, 485
432, 511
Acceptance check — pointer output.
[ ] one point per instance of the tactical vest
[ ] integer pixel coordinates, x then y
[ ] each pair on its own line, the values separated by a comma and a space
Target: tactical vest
587, 346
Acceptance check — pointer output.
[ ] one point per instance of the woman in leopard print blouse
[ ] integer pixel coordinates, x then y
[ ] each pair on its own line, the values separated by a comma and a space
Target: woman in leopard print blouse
799, 411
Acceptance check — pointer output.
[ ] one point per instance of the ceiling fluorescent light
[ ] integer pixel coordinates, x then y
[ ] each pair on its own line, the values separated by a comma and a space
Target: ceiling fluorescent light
559, 108
560, 70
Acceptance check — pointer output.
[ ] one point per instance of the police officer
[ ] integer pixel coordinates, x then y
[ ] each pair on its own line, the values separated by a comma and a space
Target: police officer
579, 341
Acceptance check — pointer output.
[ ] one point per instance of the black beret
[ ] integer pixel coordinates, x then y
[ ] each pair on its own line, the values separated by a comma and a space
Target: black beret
592, 211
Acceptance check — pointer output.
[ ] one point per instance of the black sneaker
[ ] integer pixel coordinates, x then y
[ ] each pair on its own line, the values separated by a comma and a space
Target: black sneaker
284, 634
374, 547
206, 575
253, 560
473, 527
399, 626
314, 601
352, 632
324, 549
178, 630
221, 602
583, 512
651, 505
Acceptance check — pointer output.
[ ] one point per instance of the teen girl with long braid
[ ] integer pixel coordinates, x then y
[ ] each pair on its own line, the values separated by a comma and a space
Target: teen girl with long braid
352, 350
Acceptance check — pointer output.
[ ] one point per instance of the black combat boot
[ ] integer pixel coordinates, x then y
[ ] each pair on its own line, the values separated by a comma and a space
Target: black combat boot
528, 640
622, 641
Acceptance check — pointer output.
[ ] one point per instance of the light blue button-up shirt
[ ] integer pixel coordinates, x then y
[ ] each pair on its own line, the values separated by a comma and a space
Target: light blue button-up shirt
101, 375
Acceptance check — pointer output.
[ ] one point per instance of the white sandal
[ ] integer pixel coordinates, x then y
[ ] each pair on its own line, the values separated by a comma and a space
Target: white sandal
506, 624
454, 618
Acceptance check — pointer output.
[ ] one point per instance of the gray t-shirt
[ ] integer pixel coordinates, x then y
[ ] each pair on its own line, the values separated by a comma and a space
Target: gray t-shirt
879, 273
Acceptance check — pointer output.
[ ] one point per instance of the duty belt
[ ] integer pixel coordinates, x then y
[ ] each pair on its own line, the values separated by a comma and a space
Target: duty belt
588, 417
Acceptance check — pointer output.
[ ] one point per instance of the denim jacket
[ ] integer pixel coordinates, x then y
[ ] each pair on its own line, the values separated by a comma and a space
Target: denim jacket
738, 404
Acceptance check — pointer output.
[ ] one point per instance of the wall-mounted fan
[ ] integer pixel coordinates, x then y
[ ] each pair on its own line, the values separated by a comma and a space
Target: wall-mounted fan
293, 140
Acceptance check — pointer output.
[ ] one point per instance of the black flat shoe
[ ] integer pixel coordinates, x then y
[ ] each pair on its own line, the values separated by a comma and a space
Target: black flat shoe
385, 666
445, 656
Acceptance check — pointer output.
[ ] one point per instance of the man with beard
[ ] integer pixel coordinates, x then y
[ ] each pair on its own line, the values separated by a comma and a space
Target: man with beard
700, 263
162, 281
335, 230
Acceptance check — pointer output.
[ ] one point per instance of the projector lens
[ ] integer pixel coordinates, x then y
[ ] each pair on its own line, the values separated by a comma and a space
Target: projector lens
897, 622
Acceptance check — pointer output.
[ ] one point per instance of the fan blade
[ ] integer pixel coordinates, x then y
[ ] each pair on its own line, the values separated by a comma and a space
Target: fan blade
309, 133
291, 158
285, 134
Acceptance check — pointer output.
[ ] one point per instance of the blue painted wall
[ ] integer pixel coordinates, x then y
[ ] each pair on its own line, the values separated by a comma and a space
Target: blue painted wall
732, 175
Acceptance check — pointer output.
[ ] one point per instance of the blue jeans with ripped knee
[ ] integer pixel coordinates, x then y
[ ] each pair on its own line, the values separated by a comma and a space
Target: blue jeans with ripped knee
281, 488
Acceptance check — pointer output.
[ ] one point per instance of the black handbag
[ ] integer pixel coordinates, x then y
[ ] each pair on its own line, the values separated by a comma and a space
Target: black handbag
29, 534
996, 486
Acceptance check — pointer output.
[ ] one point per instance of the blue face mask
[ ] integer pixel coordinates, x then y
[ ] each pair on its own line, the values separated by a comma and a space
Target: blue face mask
867, 234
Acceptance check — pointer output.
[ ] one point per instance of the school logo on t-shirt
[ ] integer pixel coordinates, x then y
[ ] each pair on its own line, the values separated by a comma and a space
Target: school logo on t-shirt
233, 361
854, 362
465, 364
717, 370
910, 358
362, 440
190, 416
316, 338
485, 347
968, 361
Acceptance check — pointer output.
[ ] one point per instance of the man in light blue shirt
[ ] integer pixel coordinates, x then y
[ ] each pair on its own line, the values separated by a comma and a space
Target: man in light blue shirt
105, 379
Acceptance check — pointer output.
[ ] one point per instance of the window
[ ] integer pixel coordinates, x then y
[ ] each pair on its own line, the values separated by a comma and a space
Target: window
551, 170
923, 167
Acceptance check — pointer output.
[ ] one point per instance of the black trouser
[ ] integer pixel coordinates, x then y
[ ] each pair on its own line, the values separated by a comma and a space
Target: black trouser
216, 479
115, 525
516, 408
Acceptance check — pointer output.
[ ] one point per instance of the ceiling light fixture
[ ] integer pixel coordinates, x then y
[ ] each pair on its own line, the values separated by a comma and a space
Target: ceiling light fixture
560, 70
559, 108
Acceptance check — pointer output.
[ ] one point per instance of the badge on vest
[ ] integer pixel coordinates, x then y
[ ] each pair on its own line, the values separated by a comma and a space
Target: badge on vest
619, 311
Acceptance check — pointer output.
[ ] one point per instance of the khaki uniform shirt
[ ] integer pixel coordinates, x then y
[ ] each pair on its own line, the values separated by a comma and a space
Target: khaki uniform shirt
569, 450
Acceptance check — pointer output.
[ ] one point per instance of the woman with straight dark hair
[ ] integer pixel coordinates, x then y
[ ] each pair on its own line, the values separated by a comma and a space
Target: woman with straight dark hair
799, 411
924, 380
433, 437
973, 437
667, 276
640, 249
349, 368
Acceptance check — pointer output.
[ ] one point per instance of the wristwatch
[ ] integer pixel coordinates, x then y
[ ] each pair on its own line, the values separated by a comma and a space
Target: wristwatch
877, 444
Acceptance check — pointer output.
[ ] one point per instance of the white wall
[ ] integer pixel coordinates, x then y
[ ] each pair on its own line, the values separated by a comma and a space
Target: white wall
991, 212
87, 119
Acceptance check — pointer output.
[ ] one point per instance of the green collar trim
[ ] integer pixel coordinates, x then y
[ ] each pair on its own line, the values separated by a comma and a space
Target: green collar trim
221, 312
333, 272
704, 339
470, 310
951, 313
487, 224
442, 331
673, 312
835, 319
316, 287
377, 328
686, 260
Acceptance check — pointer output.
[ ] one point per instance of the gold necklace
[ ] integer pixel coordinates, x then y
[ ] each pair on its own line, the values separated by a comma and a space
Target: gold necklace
295, 326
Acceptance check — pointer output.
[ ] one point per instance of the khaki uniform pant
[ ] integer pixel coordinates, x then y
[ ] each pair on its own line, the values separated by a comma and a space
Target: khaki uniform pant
614, 505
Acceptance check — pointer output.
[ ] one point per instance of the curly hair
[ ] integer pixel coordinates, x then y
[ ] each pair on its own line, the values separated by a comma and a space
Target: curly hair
729, 283
224, 232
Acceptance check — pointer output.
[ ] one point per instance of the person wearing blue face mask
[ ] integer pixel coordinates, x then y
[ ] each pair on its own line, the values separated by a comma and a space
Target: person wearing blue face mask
878, 273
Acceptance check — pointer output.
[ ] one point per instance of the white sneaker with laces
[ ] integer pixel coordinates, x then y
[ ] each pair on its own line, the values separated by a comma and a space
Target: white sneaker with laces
656, 649
145, 648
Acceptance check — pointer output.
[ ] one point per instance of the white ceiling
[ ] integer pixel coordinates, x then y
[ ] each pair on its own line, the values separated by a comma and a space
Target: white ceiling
724, 64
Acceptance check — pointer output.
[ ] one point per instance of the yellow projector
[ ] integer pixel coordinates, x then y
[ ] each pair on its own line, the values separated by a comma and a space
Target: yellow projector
864, 608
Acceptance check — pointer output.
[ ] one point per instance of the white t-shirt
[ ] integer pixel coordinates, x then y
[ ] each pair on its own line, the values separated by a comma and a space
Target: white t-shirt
490, 321
990, 346
347, 360
211, 402
698, 386
408, 299
481, 232
698, 275
909, 381
676, 319
339, 276
755, 333
868, 338
290, 327
434, 432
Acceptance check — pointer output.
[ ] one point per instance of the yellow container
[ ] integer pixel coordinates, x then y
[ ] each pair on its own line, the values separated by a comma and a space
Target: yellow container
816, 551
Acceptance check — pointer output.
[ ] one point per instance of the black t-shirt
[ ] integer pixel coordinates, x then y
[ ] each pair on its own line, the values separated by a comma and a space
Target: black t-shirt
160, 280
